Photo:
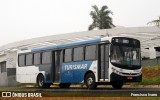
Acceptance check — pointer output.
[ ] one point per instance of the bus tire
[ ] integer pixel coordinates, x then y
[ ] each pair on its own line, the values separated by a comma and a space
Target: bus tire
90, 81
64, 85
117, 85
41, 82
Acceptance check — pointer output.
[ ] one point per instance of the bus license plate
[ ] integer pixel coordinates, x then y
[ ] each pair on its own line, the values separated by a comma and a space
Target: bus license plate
130, 78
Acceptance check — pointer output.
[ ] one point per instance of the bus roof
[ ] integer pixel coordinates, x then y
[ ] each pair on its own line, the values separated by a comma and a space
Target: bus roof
66, 45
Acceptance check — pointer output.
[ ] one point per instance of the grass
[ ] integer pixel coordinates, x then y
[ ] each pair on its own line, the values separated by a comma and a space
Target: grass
150, 76
152, 81
151, 72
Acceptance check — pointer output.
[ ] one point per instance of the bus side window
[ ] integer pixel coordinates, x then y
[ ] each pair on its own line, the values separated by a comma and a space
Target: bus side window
78, 54
29, 59
21, 60
37, 58
67, 55
90, 52
46, 57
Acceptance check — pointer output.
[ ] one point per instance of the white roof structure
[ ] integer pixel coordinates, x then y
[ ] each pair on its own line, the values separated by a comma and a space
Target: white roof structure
51, 40
149, 37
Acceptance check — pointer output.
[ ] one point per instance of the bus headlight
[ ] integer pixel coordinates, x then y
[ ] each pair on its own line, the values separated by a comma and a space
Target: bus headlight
115, 71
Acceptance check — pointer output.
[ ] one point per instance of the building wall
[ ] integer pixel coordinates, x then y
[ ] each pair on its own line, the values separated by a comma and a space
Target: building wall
8, 78
3, 75
11, 68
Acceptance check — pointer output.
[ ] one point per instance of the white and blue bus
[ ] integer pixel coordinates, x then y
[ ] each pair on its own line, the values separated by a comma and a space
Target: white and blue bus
108, 60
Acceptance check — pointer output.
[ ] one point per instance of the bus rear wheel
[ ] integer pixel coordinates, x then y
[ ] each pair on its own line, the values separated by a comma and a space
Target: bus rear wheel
41, 82
90, 81
64, 85
117, 85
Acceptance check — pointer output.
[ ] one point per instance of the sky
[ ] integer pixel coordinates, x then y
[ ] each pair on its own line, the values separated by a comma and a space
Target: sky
25, 19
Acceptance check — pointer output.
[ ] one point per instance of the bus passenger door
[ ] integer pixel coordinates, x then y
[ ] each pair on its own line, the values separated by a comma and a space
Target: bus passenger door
103, 62
57, 61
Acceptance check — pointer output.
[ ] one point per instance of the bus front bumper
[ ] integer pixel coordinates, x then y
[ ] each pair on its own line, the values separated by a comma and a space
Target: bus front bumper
115, 77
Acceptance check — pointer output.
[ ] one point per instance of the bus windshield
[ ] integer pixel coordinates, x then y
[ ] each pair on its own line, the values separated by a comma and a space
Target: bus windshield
125, 55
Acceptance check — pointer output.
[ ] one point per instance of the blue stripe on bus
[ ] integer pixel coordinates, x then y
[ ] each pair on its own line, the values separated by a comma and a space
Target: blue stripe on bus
66, 45
73, 72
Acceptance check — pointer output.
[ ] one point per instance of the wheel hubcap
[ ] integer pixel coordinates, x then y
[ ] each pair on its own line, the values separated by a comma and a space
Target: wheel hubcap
90, 81
40, 82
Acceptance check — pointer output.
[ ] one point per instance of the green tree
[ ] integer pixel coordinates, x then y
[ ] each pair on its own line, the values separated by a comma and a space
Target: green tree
155, 22
101, 18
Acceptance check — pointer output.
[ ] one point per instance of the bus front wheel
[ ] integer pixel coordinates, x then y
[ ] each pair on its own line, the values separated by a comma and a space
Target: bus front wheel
117, 85
90, 81
41, 82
